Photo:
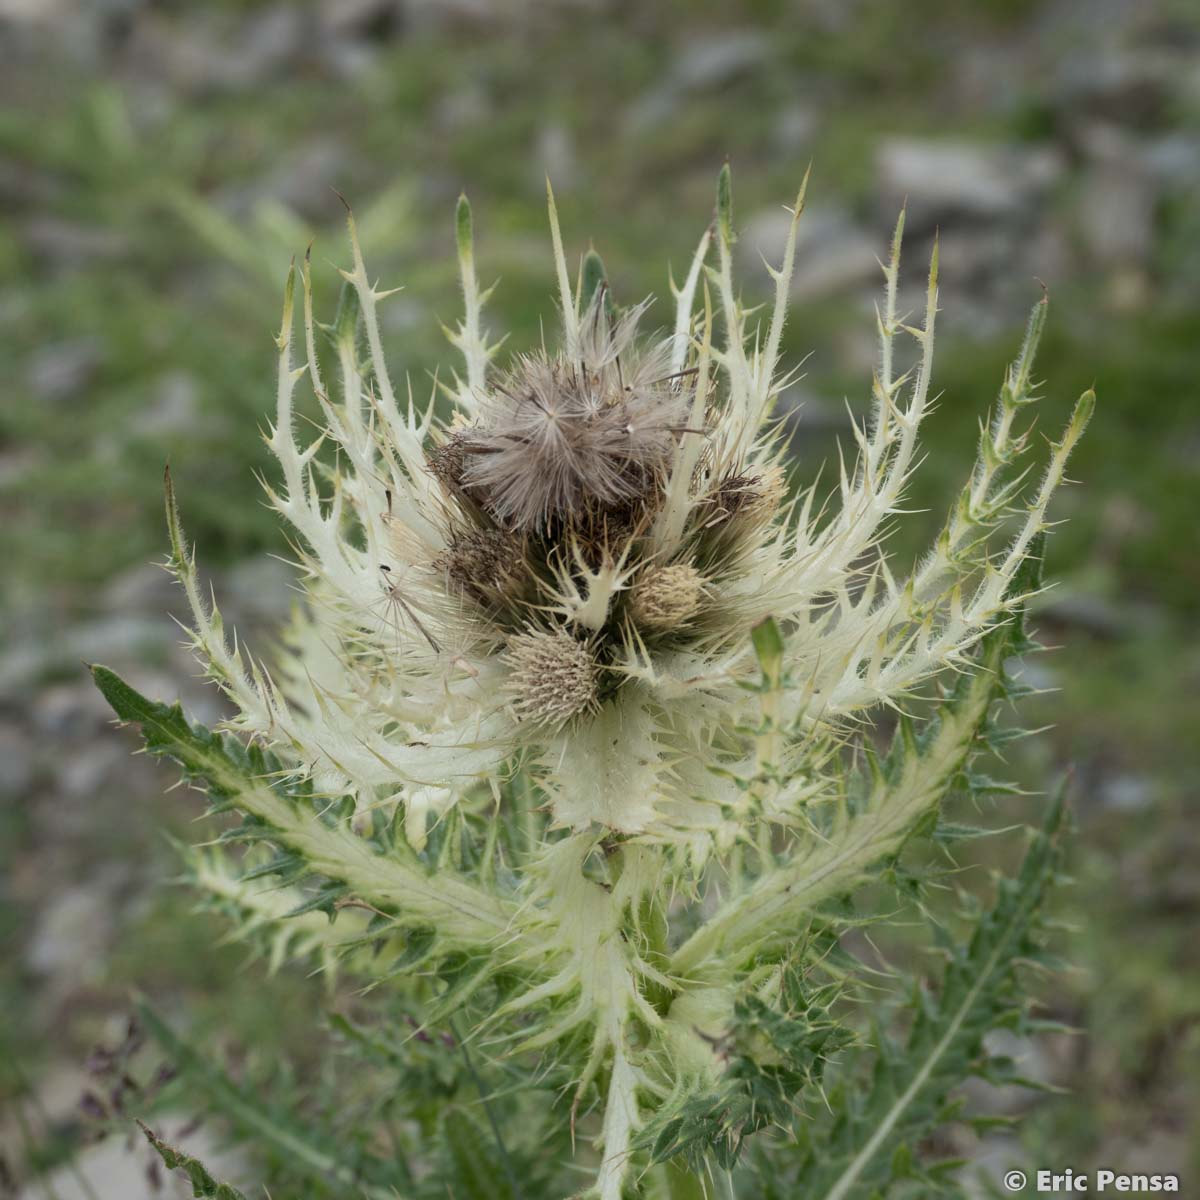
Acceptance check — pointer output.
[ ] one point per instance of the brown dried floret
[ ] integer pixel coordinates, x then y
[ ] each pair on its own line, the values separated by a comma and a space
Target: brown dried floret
561, 440
753, 497
447, 461
485, 563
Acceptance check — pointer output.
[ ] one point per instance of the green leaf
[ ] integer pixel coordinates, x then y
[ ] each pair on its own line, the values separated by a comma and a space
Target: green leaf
852, 1154
595, 279
725, 205
776, 1056
203, 1184
343, 331
475, 1171
304, 1148
768, 647
464, 234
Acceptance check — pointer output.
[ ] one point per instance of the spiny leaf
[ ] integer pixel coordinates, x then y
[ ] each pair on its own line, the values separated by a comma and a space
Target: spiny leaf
304, 1148
725, 205
768, 648
776, 1055
851, 1154
283, 811
203, 1184
595, 280
475, 1172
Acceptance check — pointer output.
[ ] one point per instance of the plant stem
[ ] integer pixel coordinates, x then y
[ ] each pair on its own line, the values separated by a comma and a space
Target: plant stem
509, 1172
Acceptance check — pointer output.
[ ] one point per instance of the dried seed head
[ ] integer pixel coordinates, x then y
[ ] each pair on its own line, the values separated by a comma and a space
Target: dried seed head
752, 499
483, 562
446, 462
559, 440
667, 597
554, 677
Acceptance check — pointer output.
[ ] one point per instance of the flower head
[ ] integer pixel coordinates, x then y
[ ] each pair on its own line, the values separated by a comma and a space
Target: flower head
585, 543
666, 598
554, 676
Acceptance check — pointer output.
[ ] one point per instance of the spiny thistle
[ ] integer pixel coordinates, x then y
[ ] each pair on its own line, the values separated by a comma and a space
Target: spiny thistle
573, 701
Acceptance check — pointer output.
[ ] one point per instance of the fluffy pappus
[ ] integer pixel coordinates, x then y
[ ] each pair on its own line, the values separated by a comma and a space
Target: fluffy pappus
559, 438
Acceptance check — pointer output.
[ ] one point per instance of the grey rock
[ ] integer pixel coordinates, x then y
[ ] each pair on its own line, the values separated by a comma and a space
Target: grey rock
1127, 793
359, 18
16, 464
1156, 1152
34, 12
554, 157
61, 369
1089, 611
1035, 675
301, 179
700, 64
144, 588
69, 711
1126, 87
944, 180
988, 1162
120, 638
793, 128
831, 252
1173, 160
807, 413
22, 184
710, 61
72, 934
268, 41
85, 771
206, 56
174, 409
69, 244
653, 107
348, 58
116, 640
16, 762
1117, 199
462, 106
764, 234
437, 14
402, 314
258, 589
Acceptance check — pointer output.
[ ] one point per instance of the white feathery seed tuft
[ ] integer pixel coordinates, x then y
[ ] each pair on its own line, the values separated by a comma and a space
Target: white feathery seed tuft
557, 438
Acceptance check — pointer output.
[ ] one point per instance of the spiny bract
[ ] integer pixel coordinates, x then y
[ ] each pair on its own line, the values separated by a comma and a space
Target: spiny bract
585, 571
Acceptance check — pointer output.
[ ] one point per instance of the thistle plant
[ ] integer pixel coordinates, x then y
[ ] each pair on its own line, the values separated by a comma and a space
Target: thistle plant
573, 746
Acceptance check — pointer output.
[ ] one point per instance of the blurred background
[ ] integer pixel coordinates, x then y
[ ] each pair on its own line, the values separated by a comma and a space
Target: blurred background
161, 162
